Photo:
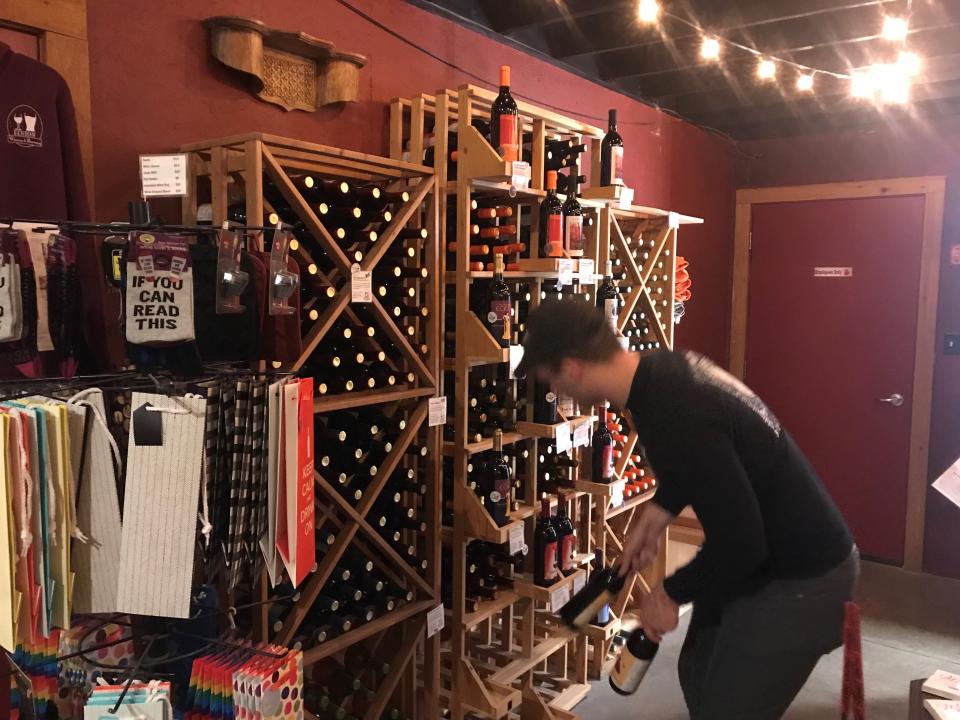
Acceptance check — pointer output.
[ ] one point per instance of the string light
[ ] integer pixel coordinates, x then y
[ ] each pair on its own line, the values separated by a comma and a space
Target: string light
909, 63
895, 29
766, 69
881, 83
648, 11
710, 49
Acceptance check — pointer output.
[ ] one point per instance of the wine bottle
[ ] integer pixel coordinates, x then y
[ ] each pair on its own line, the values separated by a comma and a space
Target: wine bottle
632, 663
545, 548
492, 213
566, 537
583, 607
603, 614
339, 215
544, 404
498, 483
551, 219
499, 304
608, 298
602, 467
572, 221
504, 120
611, 154
395, 291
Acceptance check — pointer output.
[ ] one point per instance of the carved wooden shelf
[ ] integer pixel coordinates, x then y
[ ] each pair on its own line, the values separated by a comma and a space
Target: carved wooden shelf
291, 69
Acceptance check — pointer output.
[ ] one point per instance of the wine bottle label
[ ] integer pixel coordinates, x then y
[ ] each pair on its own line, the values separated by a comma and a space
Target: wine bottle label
616, 165
554, 234
508, 137
550, 571
565, 406
607, 461
502, 488
495, 496
566, 553
574, 235
628, 672
610, 309
499, 318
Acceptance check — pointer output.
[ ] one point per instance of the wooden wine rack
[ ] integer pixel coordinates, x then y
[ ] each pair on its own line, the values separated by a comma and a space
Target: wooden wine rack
509, 648
399, 636
644, 240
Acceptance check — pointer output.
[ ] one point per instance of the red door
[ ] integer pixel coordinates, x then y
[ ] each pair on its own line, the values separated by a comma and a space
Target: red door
831, 334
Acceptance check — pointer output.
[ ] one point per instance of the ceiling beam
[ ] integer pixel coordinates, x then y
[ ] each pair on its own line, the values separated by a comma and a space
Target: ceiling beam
681, 79
718, 19
511, 16
918, 117
831, 49
786, 109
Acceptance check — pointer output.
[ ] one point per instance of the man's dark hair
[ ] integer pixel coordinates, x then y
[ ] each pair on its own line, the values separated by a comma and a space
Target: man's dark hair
560, 329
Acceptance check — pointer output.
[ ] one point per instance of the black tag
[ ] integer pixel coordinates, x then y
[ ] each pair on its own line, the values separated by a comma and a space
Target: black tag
147, 426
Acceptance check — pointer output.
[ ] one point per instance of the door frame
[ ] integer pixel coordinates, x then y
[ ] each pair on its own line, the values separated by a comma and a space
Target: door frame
61, 28
932, 188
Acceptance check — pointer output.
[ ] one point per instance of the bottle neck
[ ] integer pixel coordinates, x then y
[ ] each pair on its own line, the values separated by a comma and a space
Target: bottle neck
504, 89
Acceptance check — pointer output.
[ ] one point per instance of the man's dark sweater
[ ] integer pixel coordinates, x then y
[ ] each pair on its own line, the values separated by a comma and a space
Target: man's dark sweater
715, 446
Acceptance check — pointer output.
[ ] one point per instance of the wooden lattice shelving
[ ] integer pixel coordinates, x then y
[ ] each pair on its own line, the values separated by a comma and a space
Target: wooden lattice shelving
509, 642
265, 169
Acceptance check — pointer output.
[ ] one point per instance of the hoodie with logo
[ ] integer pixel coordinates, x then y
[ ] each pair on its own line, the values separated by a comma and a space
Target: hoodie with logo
41, 174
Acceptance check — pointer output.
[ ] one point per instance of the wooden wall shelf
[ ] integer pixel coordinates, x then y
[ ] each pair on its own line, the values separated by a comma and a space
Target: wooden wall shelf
291, 69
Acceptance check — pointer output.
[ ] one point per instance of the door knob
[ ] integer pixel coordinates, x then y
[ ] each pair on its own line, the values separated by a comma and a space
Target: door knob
896, 400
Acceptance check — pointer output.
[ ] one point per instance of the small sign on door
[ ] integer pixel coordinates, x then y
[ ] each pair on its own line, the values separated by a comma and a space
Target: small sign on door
833, 272
955, 254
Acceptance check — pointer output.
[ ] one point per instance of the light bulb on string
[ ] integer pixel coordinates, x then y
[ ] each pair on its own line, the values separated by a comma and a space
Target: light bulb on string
648, 11
805, 82
710, 48
862, 84
895, 29
909, 63
766, 69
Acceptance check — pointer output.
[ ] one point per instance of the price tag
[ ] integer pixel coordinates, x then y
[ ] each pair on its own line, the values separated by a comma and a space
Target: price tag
581, 435
673, 220
562, 437
516, 355
435, 620
565, 272
361, 285
626, 198
559, 598
624, 341
520, 174
437, 411
578, 582
163, 175
617, 489
516, 539
587, 270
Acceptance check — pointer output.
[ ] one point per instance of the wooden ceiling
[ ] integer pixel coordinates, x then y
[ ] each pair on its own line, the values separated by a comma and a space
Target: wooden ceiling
660, 64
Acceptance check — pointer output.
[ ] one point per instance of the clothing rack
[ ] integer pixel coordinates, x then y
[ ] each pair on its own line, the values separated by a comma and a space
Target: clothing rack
119, 227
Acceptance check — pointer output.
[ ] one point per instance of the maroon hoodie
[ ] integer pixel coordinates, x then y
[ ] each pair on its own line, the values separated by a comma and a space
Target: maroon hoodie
41, 174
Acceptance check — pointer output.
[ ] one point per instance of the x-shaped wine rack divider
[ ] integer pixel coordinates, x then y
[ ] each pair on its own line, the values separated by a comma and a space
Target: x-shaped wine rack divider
341, 300
356, 521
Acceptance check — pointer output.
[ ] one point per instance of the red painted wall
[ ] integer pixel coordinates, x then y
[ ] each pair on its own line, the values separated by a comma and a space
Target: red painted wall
155, 86
901, 150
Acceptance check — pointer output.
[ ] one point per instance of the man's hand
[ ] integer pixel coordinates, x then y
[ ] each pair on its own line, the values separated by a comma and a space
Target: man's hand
659, 614
643, 541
